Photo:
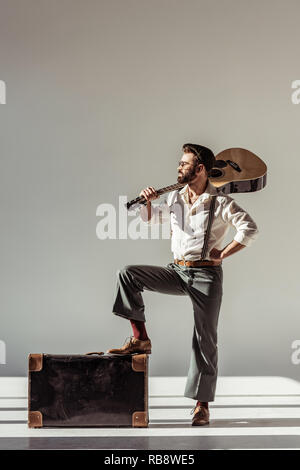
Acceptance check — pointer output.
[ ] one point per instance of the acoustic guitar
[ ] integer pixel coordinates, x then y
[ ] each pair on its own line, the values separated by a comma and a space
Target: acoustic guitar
236, 170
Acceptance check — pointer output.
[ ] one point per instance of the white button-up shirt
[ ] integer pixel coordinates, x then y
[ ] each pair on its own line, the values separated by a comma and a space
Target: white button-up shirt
189, 221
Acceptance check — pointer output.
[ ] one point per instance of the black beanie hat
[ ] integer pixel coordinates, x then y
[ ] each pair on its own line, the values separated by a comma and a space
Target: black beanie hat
204, 155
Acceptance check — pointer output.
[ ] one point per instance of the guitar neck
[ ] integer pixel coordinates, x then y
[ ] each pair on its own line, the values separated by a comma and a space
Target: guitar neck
160, 191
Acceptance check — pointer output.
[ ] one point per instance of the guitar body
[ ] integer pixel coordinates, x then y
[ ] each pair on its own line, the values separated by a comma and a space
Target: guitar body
249, 174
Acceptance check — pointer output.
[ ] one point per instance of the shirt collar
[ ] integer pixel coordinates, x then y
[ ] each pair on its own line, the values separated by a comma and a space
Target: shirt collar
208, 192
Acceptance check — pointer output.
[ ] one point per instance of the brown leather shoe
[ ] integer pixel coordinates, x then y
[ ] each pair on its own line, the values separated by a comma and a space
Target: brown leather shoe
133, 346
201, 416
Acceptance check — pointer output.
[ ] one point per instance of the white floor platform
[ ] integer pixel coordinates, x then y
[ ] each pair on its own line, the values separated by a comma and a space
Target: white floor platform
248, 413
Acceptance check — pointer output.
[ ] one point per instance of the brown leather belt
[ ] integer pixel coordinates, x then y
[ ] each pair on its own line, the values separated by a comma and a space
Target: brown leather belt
194, 264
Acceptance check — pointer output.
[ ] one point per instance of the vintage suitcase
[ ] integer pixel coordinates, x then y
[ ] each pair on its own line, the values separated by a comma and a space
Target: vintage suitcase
88, 390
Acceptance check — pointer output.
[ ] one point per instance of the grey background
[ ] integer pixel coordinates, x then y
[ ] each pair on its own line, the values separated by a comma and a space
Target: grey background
100, 97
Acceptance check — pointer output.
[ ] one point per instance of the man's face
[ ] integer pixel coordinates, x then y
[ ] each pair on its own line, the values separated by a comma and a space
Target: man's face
187, 168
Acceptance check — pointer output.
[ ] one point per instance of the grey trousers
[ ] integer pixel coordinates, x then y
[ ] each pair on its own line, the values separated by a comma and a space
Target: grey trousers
204, 286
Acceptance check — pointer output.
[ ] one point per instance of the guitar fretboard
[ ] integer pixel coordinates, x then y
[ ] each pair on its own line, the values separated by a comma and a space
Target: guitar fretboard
160, 191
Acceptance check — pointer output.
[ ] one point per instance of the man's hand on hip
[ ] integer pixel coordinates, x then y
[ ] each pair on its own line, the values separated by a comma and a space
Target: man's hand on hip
231, 248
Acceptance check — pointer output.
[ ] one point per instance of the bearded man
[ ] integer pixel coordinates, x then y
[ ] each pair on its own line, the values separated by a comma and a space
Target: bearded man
200, 217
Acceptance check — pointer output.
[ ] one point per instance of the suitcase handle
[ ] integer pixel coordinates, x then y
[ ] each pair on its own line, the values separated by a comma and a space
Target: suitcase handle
95, 352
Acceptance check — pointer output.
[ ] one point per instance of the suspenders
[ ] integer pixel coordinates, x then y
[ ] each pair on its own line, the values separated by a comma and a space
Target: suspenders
210, 219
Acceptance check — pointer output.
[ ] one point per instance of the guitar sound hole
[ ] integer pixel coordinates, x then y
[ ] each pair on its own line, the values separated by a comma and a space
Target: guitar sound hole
215, 173
220, 164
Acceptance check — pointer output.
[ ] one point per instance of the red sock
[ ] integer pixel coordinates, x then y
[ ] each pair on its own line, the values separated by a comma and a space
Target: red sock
139, 330
202, 403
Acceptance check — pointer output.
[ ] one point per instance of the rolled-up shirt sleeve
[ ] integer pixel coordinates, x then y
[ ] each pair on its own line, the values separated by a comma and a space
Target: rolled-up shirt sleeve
160, 213
245, 226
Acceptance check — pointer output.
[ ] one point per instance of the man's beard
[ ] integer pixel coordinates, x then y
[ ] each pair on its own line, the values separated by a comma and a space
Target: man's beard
187, 176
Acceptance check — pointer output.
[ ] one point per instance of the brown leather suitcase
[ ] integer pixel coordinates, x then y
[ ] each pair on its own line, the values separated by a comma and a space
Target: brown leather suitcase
88, 390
